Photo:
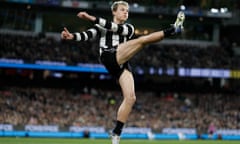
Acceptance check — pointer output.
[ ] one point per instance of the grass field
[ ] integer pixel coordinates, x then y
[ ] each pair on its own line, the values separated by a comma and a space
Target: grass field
103, 141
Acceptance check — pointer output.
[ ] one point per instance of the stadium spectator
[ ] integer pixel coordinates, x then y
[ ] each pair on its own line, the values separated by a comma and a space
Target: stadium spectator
154, 110
50, 49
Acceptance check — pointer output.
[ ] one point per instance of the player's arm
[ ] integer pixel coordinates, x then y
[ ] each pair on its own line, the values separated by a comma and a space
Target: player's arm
122, 29
80, 36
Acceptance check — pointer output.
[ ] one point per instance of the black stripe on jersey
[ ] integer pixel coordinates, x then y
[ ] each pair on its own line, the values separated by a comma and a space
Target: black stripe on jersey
96, 21
83, 38
121, 39
98, 31
90, 34
108, 25
109, 36
120, 29
96, 28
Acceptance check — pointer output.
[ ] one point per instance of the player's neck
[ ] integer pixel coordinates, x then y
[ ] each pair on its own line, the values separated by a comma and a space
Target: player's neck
117, 21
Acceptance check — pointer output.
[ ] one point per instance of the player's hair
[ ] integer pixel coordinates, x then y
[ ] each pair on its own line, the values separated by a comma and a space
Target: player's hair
116, 3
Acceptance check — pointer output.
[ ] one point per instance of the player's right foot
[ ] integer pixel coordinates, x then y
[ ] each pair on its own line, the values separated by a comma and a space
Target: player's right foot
178, 25
115, 139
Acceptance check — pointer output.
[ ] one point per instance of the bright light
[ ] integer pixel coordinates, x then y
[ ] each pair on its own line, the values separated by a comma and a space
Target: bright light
214, 10
137, 31
135, 5
145, 32
182, 7
224, 10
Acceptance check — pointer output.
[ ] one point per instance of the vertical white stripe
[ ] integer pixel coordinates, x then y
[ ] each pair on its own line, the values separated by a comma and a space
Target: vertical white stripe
102, 42
78, 36
125, 39
103, 36
102, 22
132, 30
125, 30
94, 32
114, 27
85, 35
115, 39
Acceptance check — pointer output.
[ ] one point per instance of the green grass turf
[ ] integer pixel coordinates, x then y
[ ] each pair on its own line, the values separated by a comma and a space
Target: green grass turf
105, 141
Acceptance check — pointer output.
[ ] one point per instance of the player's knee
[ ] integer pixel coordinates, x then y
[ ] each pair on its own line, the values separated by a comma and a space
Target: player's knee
131, 99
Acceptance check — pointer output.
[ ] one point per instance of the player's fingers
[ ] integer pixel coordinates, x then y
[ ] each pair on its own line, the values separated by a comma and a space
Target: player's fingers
82, 15
64, 33
66, 30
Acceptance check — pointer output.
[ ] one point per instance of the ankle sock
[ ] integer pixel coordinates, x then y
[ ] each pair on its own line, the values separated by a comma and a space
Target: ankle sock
118, 128
169, 31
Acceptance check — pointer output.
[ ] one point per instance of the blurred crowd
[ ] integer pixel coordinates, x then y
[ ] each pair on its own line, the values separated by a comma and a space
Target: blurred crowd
39, 47
97, 107
194, 3
31, 48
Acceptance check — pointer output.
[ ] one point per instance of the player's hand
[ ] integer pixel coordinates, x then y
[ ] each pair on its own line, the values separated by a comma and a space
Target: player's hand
86, 16
66, 35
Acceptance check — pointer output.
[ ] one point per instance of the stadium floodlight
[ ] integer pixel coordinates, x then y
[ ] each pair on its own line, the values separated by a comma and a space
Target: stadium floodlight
214, 10
182, 7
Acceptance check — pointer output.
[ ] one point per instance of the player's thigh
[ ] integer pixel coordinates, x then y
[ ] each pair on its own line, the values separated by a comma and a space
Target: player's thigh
126, 82
127, 50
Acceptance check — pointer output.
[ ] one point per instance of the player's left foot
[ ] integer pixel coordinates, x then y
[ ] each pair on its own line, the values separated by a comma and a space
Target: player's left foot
178, 25
115, 139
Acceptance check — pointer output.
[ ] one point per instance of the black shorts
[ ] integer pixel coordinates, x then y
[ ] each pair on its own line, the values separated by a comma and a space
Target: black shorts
108, 59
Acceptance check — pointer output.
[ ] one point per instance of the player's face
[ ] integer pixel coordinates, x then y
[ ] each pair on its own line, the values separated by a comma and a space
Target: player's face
121, 14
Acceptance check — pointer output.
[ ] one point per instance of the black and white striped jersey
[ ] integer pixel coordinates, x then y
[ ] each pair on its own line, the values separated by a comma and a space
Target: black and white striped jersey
110, 34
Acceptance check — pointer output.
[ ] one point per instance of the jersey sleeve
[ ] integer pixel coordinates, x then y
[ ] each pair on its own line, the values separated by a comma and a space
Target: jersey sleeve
86, 35
122, 29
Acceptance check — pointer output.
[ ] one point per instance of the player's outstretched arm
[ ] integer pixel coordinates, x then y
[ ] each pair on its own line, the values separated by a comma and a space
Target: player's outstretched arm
86, 16
127, 29
66, 35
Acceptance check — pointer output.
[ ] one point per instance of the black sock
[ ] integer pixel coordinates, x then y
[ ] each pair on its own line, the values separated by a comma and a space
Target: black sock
169, 32
118, 129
